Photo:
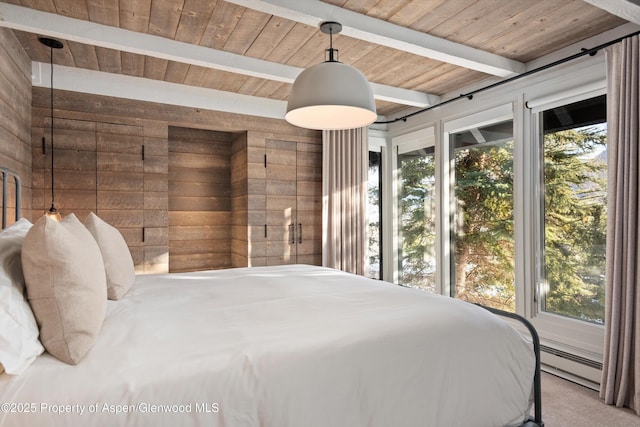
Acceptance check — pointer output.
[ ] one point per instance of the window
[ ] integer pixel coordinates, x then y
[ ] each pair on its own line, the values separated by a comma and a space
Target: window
574, 209
482, 243
506, 206
416, 219
374, 214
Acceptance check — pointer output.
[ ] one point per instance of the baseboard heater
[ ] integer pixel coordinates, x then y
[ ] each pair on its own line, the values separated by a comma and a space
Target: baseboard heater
572, 357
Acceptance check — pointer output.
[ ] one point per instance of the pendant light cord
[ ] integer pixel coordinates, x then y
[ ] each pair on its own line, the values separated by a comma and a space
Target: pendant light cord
331, 58
51, 108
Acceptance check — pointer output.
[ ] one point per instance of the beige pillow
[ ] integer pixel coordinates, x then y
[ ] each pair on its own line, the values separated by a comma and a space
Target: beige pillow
66, 285
118, 263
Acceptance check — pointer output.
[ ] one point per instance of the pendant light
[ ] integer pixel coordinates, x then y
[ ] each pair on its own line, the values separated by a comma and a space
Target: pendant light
331, 95
52, 44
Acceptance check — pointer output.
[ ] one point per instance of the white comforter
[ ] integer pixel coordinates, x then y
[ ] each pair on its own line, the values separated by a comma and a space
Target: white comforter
288, 346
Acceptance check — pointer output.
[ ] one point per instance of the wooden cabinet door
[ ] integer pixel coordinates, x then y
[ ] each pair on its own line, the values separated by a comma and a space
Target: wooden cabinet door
293, 202
309, 203
281, 191
98, 167
120, 183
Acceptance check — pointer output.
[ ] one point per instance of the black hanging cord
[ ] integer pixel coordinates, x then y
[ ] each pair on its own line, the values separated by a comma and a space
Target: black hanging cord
469, 95
333, 53
52, 44
51, 109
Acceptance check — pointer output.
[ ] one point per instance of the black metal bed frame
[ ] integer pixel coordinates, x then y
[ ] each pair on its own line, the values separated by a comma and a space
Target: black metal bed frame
6, 173
536, 420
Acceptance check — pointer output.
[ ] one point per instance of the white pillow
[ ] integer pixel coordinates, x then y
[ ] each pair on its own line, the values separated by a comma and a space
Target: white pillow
19, 344
66, 285
118, 264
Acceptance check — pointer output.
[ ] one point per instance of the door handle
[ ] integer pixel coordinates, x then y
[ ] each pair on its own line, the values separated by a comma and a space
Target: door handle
292, 234
300, 233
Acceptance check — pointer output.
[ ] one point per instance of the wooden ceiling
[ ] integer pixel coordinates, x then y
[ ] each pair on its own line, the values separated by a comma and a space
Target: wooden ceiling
516, 30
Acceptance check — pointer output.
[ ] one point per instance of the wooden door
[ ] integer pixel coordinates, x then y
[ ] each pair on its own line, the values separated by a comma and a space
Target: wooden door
309, 203
280, 189
293, 202
120, 183
98, 167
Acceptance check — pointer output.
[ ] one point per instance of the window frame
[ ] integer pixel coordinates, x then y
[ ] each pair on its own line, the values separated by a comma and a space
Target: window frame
568, 334
422, 138
446, 184
559, 84
379, 149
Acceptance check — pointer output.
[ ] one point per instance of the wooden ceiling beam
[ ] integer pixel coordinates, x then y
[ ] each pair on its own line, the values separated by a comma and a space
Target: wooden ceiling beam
625, 9
385, 33
53, 25
142, 89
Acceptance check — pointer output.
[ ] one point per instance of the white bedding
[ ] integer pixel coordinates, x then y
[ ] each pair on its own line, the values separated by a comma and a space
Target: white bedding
287, 346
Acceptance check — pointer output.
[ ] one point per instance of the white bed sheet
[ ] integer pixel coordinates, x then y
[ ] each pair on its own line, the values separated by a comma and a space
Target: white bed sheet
287, 346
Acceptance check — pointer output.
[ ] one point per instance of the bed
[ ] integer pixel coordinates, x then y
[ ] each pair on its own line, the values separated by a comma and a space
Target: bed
283, 346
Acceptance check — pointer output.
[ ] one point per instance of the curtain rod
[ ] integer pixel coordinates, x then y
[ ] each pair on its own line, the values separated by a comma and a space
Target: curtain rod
469, 95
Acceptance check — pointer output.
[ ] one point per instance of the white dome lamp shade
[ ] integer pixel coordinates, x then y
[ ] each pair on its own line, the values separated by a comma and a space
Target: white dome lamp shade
331, 95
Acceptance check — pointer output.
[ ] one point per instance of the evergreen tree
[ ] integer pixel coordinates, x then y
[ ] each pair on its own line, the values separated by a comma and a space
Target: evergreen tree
483, 224
575, 222
417, 219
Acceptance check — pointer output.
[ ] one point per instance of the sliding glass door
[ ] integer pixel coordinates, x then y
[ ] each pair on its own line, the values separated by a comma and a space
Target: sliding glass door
416, 218
374, 215
482, 227
509, 211
574, 176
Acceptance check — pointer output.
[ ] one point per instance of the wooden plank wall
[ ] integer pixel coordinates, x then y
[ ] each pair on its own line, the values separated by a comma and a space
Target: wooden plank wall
15, 120
199, 199
99, 167
119, 126
240, 230
75, 166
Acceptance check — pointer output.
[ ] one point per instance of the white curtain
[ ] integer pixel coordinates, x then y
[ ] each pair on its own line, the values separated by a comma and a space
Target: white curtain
345, 166
620, 383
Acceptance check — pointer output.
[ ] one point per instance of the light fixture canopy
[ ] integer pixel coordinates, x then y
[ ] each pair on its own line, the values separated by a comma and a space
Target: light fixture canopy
331, 95
51, 44
53, 213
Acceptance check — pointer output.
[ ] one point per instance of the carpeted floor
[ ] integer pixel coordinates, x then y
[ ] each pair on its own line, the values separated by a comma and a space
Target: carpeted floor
566, 404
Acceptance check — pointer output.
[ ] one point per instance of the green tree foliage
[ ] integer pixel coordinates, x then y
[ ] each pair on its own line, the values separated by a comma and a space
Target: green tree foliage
484, 250
575, 222
373, 207
417, 219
